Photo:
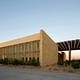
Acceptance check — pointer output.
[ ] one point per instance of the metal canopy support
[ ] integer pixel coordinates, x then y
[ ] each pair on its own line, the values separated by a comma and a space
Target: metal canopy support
69, 55
69, 50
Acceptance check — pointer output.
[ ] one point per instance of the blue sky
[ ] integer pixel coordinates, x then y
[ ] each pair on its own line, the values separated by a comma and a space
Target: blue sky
59, 18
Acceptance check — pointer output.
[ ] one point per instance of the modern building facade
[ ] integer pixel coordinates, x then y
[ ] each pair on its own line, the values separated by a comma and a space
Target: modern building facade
39, 46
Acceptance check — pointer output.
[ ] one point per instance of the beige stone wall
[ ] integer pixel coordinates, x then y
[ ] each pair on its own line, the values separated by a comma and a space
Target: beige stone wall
23, 50
49, 50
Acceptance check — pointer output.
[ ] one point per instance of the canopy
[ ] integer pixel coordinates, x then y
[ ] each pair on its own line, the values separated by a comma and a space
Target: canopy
69, 45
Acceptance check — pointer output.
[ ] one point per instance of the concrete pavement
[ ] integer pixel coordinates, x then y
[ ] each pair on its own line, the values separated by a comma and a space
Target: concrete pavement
12, 73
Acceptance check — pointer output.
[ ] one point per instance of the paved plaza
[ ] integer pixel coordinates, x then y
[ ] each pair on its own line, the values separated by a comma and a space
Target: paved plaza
15, 73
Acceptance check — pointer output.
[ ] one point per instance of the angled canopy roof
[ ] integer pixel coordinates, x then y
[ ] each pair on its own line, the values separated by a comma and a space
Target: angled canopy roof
69, 45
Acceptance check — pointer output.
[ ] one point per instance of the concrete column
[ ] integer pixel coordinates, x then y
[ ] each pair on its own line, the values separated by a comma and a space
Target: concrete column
69, 51
69, 55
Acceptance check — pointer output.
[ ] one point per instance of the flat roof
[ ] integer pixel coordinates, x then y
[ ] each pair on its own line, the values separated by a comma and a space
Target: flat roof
21, 40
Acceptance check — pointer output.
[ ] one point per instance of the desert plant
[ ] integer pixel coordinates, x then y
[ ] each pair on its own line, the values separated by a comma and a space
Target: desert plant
67, 62
1, 61
5, 61
75, 64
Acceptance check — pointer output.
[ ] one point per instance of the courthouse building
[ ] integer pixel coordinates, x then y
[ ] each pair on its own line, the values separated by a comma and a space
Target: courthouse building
39, 46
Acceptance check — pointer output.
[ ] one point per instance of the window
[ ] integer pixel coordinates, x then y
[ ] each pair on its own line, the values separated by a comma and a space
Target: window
29, 58
26, 59
38, 45
37, 58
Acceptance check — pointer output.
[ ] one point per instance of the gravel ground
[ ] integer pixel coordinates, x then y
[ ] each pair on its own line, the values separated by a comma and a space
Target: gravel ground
16, 73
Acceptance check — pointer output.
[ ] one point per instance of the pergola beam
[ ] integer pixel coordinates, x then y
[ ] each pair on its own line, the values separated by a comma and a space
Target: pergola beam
74, 45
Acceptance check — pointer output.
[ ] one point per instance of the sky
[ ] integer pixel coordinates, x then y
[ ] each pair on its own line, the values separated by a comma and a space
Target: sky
59, 18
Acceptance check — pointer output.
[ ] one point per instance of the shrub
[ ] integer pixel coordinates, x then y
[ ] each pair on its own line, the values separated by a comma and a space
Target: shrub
33, 61
29, 62
37, 62
75, 64
66, 63
15, 62
1, 61
5, 61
